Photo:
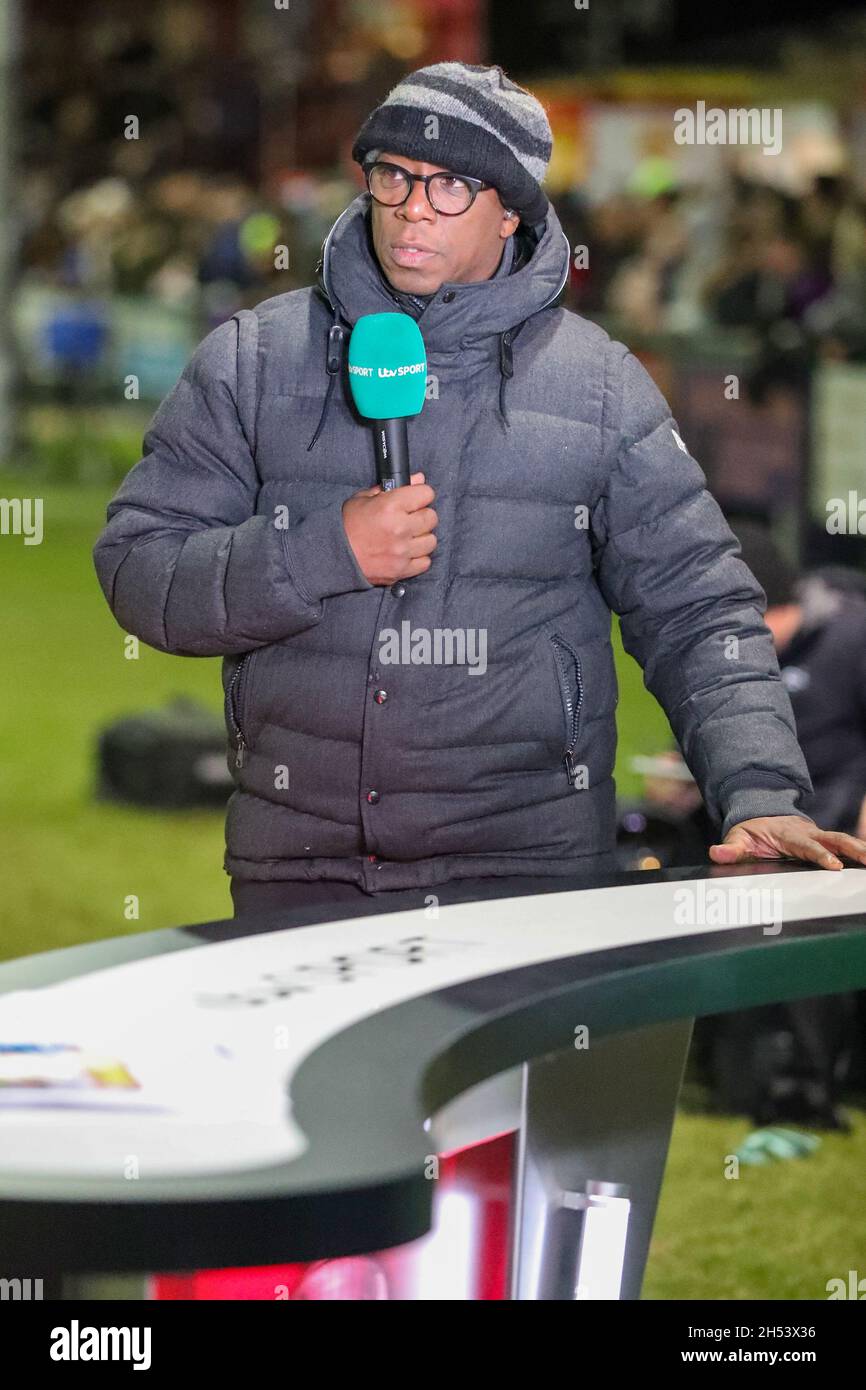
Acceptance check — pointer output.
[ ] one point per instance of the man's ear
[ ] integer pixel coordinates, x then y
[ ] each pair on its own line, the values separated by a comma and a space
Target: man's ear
510, 223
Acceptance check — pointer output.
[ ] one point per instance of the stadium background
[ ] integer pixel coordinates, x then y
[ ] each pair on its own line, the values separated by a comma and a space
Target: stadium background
122, 245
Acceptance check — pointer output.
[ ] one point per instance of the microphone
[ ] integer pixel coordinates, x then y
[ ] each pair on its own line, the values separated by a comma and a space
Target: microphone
388, 381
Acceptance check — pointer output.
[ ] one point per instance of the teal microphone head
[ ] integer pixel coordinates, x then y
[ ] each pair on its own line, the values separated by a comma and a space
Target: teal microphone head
387, 366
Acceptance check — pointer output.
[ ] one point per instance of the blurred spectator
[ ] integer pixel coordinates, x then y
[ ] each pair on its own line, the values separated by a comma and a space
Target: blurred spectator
792, 1061
819, 628
820, 634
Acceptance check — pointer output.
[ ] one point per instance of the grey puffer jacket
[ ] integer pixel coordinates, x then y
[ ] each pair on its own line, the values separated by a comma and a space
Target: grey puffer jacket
460, 723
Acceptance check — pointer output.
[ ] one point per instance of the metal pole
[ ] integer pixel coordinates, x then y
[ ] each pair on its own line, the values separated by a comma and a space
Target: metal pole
594, 1135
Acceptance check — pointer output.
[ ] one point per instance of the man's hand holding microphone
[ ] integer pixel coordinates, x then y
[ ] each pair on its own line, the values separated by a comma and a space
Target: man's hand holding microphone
390, 526
391, 533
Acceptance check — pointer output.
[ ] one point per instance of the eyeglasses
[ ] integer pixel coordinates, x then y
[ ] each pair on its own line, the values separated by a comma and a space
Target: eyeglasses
391, 185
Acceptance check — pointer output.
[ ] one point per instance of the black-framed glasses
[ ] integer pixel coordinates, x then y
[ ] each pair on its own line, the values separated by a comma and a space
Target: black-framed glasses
391, 185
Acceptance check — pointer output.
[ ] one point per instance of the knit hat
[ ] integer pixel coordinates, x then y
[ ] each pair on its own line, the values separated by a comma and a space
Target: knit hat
471, 120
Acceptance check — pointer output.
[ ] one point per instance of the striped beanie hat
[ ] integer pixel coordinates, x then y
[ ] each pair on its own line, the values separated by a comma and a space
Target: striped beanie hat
471, 120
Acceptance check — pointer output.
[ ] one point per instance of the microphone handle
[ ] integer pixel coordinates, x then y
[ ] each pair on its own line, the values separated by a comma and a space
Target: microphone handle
392, 453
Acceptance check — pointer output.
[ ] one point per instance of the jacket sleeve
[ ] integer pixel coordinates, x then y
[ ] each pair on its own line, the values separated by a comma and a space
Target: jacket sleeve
184, 561
691, 612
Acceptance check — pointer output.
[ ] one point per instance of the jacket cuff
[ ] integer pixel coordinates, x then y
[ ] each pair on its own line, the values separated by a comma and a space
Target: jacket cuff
755, 801
320, 559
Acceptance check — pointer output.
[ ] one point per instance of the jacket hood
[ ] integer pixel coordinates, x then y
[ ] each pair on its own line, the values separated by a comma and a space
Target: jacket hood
354, 283
486, 314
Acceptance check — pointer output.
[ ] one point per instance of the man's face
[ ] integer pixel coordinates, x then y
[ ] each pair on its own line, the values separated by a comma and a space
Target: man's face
420, 249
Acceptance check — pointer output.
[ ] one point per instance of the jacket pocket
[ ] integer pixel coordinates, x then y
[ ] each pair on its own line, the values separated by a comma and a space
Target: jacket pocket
570, 679
237, 700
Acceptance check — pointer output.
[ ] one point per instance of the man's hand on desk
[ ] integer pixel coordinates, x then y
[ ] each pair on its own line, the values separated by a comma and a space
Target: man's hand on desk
787, 837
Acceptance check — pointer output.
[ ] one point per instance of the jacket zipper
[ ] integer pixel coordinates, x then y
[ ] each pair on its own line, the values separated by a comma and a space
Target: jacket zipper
571, 702
235, 706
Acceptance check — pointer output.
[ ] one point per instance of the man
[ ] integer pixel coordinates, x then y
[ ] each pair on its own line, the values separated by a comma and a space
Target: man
562, 490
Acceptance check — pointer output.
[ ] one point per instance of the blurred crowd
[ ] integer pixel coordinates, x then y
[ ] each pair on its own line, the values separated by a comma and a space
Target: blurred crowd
187, 238
792, 270
168, 204
182, 214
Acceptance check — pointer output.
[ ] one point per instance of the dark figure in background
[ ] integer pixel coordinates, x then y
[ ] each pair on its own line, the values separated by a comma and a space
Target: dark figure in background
788, 1062
819, 632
